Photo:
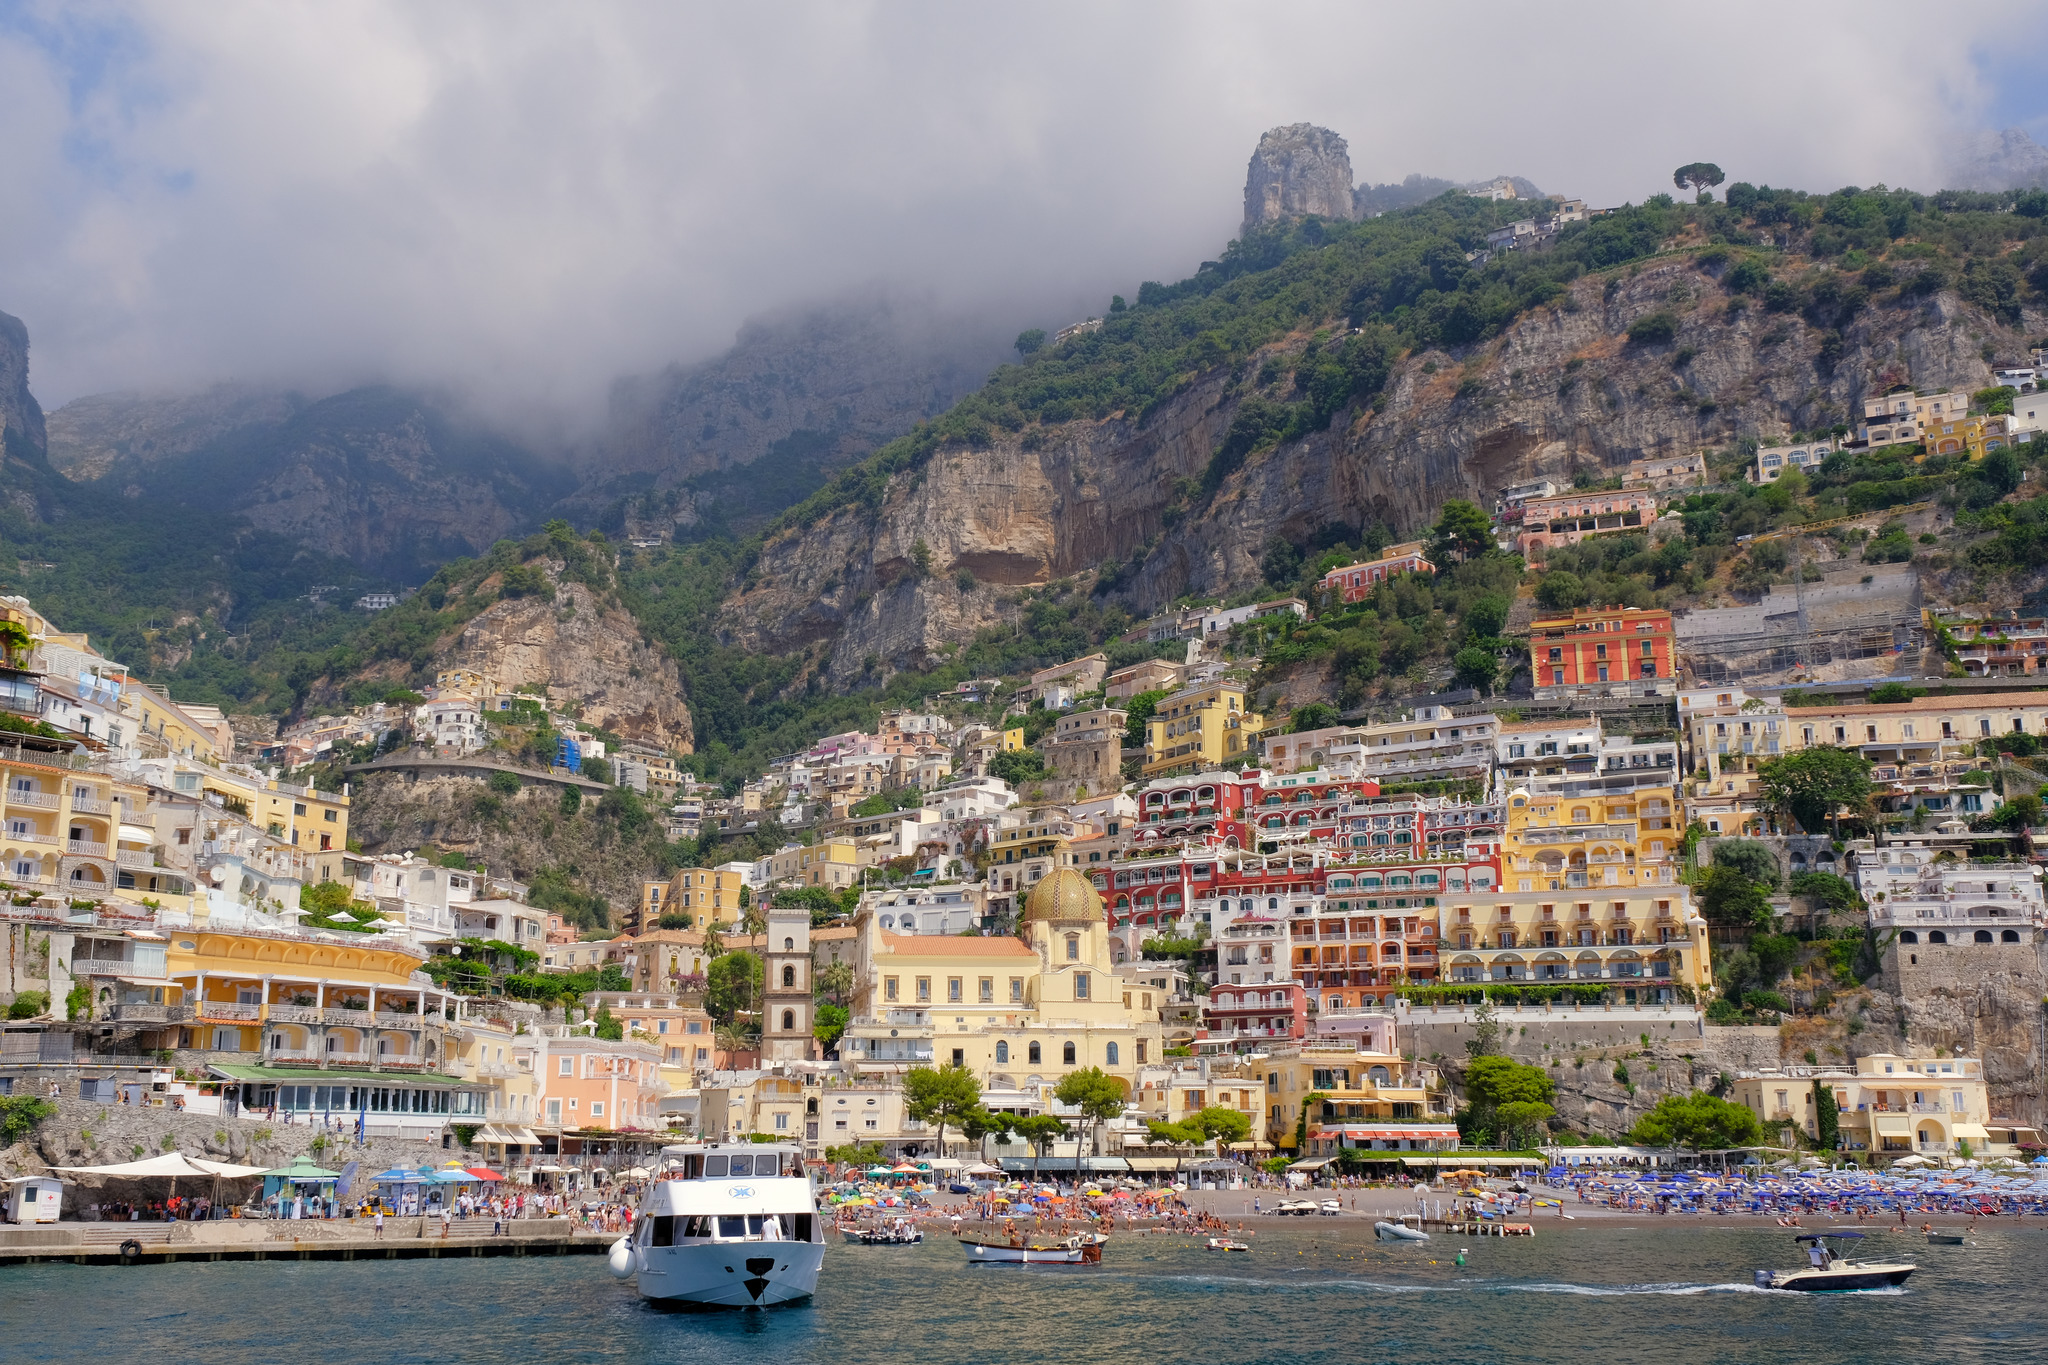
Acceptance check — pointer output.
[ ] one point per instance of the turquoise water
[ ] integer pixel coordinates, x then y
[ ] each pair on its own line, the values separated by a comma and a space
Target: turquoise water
1326, 1294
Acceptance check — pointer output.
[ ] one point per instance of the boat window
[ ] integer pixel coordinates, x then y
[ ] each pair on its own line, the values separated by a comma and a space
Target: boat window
800, 1227
732, 1225
754, 1224
700, 1225
714, 1165
664, 1231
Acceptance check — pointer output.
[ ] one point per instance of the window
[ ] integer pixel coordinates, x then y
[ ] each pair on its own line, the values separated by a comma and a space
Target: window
1080, 985
782, 1123
889, 988
789, 1021
953, 989
1002, 1053
988, 990
1073, 947
1067, 1053
596, 1108
568, 1067
1110, 1054
788, 976
1016, 990
924, 988
1032, 1054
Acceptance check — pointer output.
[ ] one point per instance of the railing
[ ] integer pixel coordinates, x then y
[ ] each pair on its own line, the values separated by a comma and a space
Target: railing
355, 1018
30, 836
134, 861
143, 1014
89, 847
90, 805
101, 966
225, 1009
295, 1014
1927, 1109
349, 1058
398, 1019
296, 1056
38, 800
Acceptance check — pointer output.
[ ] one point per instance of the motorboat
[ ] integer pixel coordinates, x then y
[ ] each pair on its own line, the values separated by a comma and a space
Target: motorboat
1226, 1244
1081, 1249
1944, 1239
1827, 1271
1330, 1208
1401, 1231
1299, 1208
736, 1227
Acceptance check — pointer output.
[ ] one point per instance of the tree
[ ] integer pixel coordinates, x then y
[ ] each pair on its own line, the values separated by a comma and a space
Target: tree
1137, 712
1462, 532
833, 982
1018, 766
1750, 857
78, 1003
940, 1096
1521, 1122
572, 801
1477, 668
1041, 1131
979, 1125
1697, 175
1219, 1125
1731, 900
607, 1026
1098, 1095
1504, 1098
1317, 715
1892, 693
1699, 1121
855, 1154
829, 1025
1485, 1039
1811, 785
1827, 1119
1837, 894
1560, 590
675, 919
1031, 342
732, 985
505, 784
598, 770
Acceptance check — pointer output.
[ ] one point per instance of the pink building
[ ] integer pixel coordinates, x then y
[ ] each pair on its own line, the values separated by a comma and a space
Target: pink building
1356, 581
1569, 518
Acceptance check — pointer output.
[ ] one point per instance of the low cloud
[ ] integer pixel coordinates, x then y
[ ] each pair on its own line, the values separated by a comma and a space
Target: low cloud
521, 202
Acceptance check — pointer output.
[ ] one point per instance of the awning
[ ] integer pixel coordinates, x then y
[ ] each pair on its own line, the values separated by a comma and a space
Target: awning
1455, 1159
1314, 1163
943, 1163
145, 981
267, 1075
525, 1137
1251, 1146
1970, 1130
1417, 1132
169, 1164
1153, 1163
147, 935
1026, 1165
1900, 1125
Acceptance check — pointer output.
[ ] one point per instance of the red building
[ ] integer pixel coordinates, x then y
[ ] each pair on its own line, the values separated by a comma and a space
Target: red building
1602, 648
1251, 1016
1354, 582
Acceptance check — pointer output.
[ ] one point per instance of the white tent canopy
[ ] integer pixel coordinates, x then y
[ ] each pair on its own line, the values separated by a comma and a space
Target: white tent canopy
169, 1164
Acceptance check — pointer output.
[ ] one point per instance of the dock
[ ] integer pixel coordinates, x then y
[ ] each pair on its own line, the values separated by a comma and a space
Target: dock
134, 1244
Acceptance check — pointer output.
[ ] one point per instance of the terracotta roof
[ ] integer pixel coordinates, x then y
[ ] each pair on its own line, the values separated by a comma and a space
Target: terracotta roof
953, 945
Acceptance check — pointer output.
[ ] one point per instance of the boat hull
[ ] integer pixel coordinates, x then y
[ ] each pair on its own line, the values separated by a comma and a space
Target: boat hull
731, 1274
1395, 1232
1085, 1251
1837, 1279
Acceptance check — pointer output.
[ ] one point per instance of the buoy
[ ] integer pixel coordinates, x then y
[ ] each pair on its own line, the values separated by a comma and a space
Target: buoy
1461, 1256
620, 1261
131, 1252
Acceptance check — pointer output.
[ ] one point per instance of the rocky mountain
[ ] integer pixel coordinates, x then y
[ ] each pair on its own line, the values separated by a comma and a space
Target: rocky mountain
1296, 171
91, 435
22, 433
2009, 160
1136, 494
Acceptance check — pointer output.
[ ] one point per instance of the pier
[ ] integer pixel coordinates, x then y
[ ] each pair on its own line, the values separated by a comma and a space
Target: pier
404, 1239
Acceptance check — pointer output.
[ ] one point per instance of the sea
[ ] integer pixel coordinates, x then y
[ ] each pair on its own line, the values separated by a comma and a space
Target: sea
1323, 1292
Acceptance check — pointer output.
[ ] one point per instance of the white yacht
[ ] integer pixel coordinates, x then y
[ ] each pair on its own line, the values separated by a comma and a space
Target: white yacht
736, 1226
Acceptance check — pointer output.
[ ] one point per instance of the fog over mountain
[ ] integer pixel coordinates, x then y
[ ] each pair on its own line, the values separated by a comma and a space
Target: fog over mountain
521, 203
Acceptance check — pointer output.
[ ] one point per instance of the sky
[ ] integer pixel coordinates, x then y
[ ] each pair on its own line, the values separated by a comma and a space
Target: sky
520, 202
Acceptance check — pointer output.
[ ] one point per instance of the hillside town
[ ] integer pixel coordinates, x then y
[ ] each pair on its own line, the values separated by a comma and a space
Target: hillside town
1151, 872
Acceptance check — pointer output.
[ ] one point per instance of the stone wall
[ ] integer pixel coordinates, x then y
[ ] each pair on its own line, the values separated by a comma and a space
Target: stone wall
1984, 999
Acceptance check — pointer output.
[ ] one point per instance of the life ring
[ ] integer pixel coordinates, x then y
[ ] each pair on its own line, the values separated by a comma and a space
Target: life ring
131, 1252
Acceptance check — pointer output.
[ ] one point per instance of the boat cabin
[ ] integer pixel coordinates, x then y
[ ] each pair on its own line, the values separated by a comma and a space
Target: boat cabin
737, 1192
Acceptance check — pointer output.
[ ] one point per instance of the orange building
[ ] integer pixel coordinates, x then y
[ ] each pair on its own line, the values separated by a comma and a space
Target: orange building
1355, 582
1606, 651
586, 1083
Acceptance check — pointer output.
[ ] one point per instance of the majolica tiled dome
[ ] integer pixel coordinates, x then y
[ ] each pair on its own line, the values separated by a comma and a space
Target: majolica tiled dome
1066, 895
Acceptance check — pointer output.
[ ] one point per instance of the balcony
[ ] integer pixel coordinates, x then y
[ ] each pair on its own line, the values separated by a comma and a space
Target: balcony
349, 1058
228, 1011
143, 1014
397, 1019
34, 800
30, 836
88, 847
90, 805
134, 860
295, 1014
286, 1056
351, 1018
101, 966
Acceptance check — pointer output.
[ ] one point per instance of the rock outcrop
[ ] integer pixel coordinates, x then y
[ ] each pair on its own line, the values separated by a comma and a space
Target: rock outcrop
1562, 390
591, 657
2010, 160
1298, 170
22, 433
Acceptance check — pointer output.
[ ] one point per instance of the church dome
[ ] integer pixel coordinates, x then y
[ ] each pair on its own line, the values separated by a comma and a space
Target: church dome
1066, 895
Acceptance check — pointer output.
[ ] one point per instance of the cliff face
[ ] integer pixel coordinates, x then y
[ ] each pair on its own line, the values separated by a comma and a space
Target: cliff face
1298, 170
22, 434
90, 436
1562, 390
586, 651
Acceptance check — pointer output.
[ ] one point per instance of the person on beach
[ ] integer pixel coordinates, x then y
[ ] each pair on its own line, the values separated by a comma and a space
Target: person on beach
378, 1222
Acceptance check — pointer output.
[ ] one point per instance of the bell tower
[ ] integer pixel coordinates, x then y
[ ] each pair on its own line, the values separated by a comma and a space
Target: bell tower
786, 1008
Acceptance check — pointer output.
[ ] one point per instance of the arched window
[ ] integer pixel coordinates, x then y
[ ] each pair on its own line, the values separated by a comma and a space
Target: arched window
789, 945
789, 1021
1002, 1053
1067, 1053
788, 975
1110, 1056
2009, 936
1033, 1055
1073, 947
1983, 936
1908, 936
1936, 936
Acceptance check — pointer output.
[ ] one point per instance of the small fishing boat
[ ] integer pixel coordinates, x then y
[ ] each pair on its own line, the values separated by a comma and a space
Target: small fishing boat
1083, 1249
1944, 1239
1331, 1208
1225, 1244
1401, 1231
901, 1233
1299, 1208
1828, 1272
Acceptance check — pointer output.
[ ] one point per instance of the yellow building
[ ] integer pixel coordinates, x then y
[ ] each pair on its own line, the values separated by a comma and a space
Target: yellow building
1013, 739
1639, 942
62, 824
1889, 1106
1562, 842
708, 895
1962, 435
836, 863
1922, 731
1362, 1096
1019, 1013
1198, 728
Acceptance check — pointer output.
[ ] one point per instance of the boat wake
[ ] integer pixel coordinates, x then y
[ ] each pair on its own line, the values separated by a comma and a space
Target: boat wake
1598, 1291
